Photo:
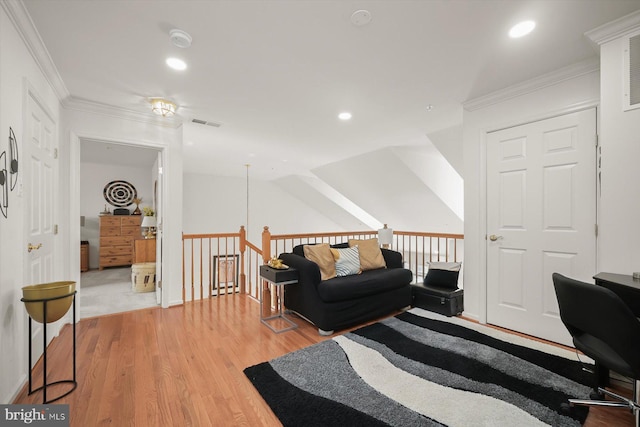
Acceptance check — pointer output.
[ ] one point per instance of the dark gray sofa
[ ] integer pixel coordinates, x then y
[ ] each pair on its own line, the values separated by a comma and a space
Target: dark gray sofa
343, 302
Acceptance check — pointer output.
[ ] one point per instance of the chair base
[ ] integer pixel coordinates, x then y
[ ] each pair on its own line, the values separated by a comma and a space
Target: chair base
621, 401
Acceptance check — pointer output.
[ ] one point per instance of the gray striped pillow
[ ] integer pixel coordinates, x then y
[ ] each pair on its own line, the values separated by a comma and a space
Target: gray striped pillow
347, 261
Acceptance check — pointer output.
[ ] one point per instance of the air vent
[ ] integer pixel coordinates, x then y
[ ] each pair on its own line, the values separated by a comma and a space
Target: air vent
632, 70
204, 122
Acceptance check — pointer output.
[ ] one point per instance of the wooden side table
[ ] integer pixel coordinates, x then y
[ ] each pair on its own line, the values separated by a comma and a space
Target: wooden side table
144, 250
84, 255
278, 278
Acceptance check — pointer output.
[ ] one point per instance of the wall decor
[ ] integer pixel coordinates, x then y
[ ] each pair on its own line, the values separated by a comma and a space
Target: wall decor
13, 159
119, 193
4, 186
225, 273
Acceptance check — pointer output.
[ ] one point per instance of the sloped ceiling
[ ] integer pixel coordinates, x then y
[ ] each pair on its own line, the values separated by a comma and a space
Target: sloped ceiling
309, 190
391, 192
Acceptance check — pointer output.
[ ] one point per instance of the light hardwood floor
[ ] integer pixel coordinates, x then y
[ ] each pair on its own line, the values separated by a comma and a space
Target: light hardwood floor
182, 366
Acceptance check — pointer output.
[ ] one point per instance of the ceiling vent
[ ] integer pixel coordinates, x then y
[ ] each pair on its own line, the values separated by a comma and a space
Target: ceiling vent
204, 122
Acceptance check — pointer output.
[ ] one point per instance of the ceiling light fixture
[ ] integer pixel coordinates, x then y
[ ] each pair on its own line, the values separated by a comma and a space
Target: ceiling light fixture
163, 107
344, 116
176, 64
521, 29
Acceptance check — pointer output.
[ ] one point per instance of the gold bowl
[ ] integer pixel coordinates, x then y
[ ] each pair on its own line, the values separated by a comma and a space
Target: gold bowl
56, 308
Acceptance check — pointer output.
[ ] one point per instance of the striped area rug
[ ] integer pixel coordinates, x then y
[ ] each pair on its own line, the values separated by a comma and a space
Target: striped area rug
423, 369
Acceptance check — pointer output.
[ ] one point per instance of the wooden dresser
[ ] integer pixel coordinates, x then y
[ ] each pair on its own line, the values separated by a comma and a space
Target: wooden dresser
117, 233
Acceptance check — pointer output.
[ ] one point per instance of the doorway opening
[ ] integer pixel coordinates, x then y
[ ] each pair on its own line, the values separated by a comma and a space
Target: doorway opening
108, 280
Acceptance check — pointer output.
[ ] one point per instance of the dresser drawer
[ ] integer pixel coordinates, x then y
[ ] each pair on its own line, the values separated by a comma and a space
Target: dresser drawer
109, 231
116, 241
109, 221
116, 250
132, 220
131, 231
108, 261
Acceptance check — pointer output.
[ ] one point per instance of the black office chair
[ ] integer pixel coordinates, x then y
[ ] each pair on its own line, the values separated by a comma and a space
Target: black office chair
605, 329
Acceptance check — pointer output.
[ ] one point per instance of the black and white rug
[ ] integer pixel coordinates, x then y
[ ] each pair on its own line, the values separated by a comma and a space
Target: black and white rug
423, 369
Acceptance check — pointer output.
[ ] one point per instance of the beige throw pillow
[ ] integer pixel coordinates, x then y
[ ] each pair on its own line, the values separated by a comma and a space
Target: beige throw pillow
321, 255
370, 254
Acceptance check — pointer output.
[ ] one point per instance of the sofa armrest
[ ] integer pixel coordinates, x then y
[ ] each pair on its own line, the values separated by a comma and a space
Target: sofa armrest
393, 259
308, 271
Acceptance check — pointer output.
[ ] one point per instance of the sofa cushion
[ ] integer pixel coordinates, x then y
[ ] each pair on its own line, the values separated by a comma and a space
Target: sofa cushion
347, 261
368, 283
321, 255
370, 255
443, 275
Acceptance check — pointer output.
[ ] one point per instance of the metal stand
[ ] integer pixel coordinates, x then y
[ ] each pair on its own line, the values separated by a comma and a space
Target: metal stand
279, 313
44, 340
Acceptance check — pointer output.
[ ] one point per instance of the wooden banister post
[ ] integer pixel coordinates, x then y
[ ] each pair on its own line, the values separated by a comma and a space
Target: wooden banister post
266, 288
266, 244
243, 247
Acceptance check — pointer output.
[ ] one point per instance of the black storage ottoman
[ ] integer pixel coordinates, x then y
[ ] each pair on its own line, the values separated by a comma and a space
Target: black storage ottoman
440, 300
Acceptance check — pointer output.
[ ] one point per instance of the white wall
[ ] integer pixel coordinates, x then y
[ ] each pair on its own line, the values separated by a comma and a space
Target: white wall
559, 98
17, 68
217, 204
620, 140
93, 178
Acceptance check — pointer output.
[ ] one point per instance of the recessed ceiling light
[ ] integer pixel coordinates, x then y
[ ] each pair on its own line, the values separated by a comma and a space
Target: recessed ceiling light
176, 64
429, 107
521, 29
344, 116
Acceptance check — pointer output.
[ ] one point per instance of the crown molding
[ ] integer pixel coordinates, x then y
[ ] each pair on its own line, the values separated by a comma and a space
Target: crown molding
566, 73
86, 105
19, 16
615, 29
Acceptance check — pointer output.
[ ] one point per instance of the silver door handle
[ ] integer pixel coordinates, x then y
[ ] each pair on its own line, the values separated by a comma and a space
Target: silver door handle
493, 237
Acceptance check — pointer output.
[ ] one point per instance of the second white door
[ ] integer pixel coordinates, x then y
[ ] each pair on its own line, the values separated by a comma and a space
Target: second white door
541, 219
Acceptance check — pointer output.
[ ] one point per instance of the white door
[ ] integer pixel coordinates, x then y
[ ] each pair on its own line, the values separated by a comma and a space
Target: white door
541, 219
157, 201
39, 188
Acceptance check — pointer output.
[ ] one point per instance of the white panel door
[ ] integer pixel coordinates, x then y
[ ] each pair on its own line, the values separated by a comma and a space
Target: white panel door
39, 186
541, 219
157, 205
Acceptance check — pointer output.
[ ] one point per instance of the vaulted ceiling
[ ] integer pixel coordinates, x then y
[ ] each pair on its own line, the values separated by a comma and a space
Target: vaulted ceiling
275, 74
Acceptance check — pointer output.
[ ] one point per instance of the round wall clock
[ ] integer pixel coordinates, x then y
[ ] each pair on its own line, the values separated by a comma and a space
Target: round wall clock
119, 193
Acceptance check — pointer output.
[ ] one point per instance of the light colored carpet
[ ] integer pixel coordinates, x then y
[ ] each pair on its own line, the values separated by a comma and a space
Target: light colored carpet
109, 291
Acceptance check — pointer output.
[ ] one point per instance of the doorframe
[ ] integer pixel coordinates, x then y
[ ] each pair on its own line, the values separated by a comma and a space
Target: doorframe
484, 135
75, 139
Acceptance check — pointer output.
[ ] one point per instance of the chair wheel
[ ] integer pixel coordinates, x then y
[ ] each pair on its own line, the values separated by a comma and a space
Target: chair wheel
565, 408
594, 395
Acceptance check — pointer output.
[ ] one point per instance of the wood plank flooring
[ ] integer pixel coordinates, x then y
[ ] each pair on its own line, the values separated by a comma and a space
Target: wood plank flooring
182, 366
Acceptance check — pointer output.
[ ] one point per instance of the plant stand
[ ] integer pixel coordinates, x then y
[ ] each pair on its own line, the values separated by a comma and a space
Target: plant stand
44, 354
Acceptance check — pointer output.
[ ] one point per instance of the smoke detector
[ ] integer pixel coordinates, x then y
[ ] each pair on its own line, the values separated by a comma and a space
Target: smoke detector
180, 38
361, 17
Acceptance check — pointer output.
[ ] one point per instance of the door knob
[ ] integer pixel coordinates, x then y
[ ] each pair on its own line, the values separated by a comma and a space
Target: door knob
31, 247
493, 237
